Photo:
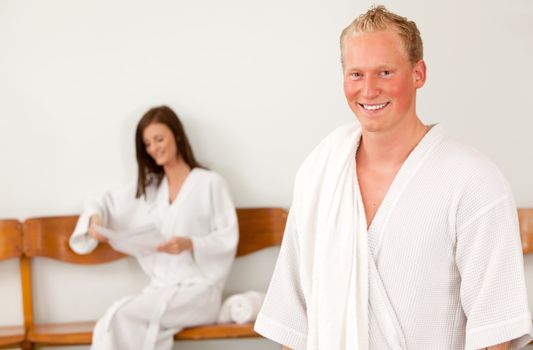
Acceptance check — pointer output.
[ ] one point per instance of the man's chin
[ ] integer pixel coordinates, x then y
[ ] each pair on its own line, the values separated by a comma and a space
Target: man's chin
370, 125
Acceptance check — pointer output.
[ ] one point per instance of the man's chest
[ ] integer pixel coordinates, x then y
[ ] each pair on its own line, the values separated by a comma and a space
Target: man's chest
374, 184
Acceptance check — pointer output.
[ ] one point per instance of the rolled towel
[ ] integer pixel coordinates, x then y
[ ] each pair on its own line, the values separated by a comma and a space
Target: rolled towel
224, 315
241, 308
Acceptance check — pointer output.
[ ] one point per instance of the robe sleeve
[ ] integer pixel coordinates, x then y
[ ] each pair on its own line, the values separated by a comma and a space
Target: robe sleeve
106, 206
493, 290
283, 317
214, 252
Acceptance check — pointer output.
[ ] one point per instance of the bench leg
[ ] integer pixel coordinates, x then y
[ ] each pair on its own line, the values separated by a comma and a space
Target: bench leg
26, 345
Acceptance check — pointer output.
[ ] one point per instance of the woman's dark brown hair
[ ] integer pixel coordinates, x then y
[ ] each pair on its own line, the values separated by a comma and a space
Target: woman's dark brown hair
149, 171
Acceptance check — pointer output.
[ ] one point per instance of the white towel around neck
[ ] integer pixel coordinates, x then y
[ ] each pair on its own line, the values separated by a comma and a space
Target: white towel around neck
346, 283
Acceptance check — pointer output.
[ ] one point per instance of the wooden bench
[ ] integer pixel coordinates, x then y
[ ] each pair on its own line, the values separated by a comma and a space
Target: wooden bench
11, 247
48, 237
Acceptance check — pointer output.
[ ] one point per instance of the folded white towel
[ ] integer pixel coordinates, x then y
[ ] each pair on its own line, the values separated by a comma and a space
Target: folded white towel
241, 308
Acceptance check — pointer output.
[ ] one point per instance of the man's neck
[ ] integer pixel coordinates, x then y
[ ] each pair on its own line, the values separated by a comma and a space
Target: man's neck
390, 148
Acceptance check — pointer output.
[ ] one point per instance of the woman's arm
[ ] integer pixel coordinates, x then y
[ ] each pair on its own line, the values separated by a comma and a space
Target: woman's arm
214, 252
99, 211
94, 221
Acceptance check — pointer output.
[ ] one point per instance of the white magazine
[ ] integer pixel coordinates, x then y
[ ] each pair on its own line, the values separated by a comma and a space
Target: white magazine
137, 242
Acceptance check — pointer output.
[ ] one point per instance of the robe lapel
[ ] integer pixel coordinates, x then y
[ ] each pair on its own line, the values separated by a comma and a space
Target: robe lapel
185, 189
408, 170
384, 330
168, 221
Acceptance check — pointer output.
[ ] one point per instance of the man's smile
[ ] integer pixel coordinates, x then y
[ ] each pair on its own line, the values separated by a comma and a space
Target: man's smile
373, 107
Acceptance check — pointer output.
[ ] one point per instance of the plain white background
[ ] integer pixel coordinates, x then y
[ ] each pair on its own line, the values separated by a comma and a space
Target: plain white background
257, 85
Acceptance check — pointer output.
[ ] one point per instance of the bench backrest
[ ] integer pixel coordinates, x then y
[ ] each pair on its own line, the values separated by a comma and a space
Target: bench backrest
10, 239
48, 236
259, 228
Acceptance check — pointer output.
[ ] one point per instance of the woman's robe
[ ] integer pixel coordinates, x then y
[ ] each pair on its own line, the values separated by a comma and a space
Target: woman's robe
185, 289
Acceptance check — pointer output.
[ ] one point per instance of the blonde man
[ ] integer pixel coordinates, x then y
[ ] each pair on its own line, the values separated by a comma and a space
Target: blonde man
398, 236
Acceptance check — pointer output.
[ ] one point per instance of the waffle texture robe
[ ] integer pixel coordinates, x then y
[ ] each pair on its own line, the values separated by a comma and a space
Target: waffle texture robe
440, 266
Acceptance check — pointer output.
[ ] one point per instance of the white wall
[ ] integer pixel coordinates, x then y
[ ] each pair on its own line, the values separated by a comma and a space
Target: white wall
257, 84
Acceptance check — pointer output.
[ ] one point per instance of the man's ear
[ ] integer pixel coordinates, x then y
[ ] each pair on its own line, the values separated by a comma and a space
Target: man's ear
419, 73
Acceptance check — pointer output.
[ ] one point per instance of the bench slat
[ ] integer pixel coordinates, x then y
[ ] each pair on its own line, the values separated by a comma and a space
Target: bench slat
219, 331
73, 333
11, 335
260, 228
48, 237
10, 239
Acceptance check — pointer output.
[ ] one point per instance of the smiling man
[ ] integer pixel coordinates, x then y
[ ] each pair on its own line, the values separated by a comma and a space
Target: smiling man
398, 236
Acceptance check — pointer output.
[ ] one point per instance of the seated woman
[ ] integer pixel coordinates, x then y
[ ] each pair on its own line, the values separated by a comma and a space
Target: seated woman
192, 209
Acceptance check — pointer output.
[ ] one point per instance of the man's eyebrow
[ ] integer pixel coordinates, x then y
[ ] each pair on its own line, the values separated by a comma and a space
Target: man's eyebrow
351, 69
377, 68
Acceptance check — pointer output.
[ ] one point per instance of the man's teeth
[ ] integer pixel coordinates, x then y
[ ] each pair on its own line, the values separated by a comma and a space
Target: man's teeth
374, 107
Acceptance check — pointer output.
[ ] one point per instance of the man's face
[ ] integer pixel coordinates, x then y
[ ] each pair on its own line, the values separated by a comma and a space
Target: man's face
379, 80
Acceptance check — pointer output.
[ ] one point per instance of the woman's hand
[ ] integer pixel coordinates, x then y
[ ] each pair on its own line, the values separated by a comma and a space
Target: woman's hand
94, 221
175, 245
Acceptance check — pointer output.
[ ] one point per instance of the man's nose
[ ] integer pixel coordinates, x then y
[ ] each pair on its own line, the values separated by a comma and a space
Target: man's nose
370, 87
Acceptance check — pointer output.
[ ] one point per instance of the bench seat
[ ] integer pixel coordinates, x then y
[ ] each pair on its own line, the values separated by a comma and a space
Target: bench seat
11, 335
74, 333
218, 331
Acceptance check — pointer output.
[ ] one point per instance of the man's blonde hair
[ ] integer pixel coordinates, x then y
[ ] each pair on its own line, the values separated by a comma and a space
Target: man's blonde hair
379, 18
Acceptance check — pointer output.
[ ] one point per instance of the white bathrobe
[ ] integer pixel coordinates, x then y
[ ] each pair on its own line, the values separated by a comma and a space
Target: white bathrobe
185, 289
440, 266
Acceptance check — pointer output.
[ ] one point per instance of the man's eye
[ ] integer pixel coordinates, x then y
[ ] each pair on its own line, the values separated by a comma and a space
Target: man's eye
355, 76
385, 73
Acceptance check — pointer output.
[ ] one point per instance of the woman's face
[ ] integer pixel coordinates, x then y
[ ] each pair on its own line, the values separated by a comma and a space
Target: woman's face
160, 143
